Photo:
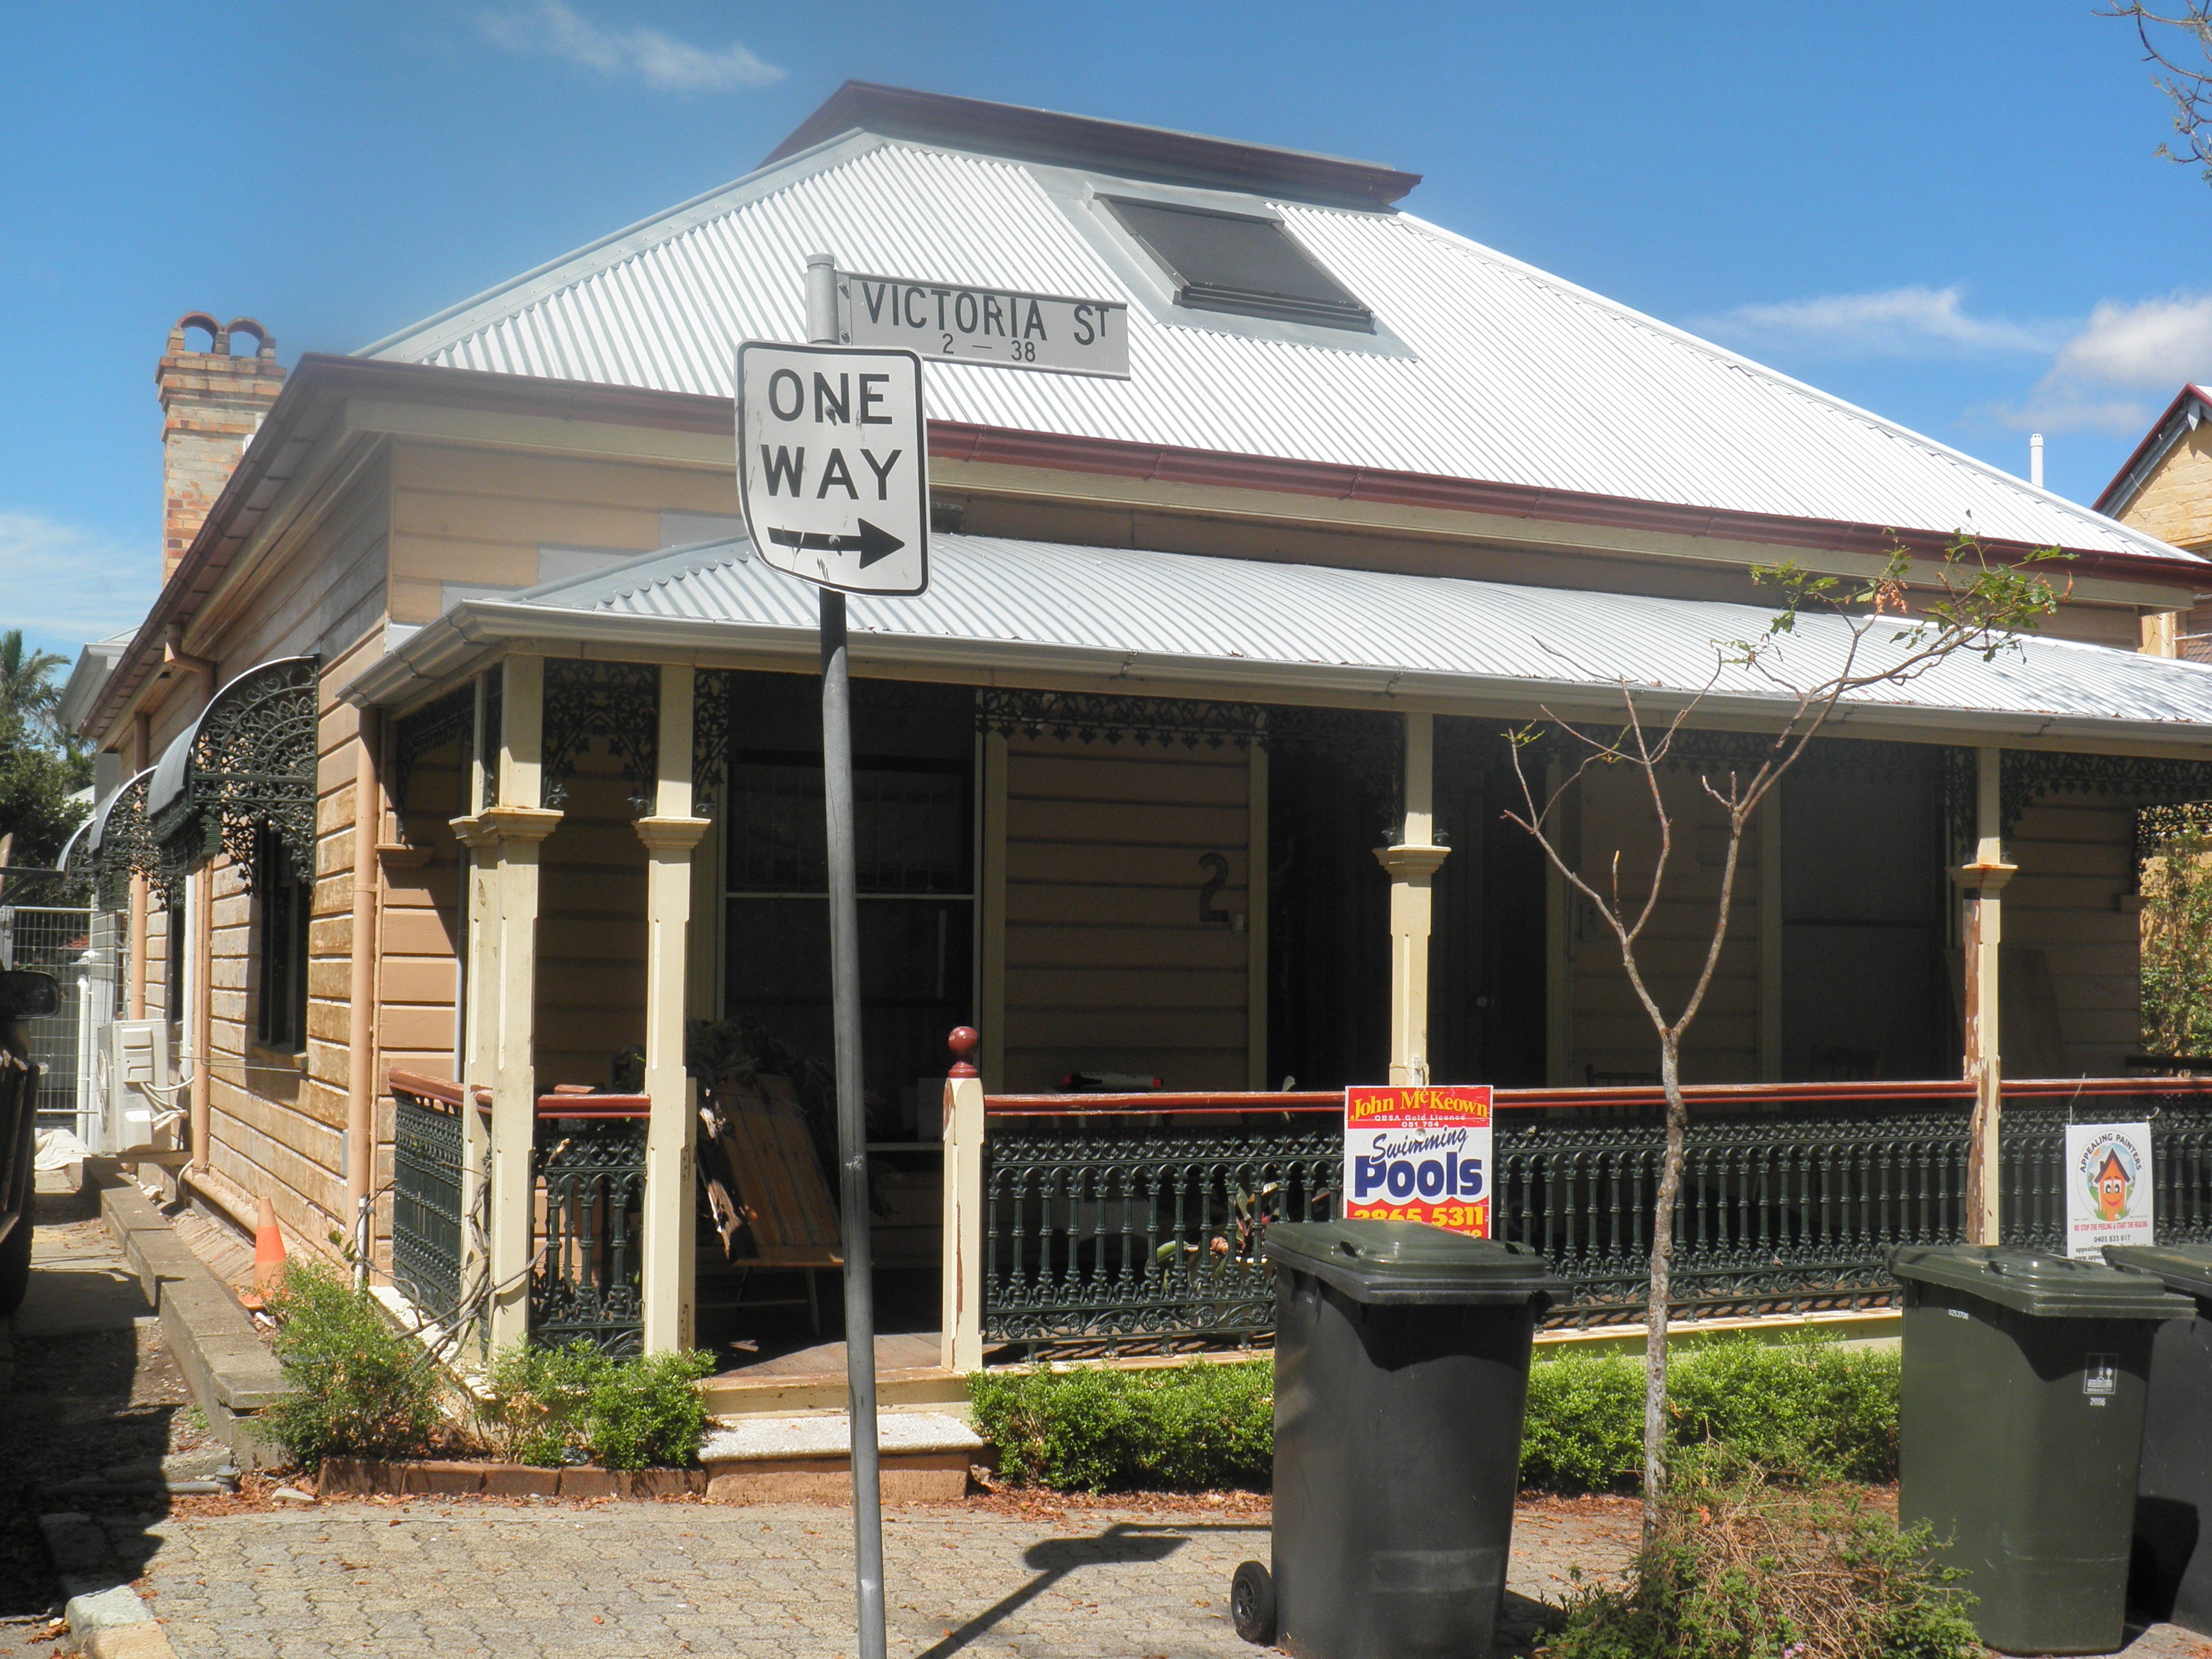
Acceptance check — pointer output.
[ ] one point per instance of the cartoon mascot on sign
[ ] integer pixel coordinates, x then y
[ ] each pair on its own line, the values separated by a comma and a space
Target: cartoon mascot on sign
2113, 1185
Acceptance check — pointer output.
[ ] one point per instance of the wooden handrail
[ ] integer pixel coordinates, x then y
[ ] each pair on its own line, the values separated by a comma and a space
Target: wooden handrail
1856, 1092
426, 1088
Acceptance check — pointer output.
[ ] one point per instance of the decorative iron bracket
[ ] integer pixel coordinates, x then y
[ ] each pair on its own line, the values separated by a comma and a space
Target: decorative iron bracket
618, 702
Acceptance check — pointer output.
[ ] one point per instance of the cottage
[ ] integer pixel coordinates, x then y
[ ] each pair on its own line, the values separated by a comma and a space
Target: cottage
469, 761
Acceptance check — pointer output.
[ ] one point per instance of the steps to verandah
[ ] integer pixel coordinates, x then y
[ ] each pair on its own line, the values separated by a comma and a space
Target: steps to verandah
807, 1458
812, 1379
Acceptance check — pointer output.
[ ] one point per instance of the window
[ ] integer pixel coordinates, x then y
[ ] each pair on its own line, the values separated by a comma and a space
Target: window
1238, 262
282, 900
173, 935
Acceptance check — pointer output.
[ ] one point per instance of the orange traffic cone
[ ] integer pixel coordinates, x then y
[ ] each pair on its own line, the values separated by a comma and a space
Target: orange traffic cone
268, 1250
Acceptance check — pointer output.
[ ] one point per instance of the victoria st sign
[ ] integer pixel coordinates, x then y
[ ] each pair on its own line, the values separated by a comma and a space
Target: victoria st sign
1004, 328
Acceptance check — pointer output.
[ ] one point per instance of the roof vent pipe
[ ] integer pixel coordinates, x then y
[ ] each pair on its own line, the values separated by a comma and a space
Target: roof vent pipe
2035, 459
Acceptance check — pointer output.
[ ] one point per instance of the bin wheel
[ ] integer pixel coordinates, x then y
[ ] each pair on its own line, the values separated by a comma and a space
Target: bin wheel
1252, 1604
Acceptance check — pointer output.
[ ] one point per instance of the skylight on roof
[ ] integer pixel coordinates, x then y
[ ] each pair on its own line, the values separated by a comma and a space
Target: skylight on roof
1238, 262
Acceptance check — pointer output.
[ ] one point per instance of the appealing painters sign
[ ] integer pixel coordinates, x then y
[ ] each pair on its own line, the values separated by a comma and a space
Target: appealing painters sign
2108, 1186
1418, 1155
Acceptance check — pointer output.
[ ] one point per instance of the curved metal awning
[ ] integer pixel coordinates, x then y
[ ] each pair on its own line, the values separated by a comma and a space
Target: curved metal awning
95, 827
248, 761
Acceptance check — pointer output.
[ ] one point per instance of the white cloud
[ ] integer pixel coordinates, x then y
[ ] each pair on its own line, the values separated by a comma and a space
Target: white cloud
2126, 364
550, 28
1897, 322
63, 586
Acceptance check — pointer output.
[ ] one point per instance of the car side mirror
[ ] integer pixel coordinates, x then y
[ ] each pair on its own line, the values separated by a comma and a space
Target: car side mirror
27, 995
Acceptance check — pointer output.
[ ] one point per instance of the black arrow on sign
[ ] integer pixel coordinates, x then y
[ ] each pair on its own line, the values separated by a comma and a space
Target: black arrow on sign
872, 544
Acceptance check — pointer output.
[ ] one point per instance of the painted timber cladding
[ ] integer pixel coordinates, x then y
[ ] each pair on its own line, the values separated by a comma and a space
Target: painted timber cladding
1514, 377
1108, 966
1313, 624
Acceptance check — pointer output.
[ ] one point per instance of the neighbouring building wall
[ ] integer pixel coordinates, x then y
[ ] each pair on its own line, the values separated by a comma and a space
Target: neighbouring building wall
1611, 1034
2175, 502
2072, 965
1107, 963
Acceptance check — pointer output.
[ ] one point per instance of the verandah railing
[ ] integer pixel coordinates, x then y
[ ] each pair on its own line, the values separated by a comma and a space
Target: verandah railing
1119, 1220
587, 1162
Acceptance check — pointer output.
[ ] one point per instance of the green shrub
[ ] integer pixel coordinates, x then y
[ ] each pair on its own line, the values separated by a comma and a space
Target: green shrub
1741, 1569
644, 1411
1583, 1430
1806, 1409
1191, 1426
555, 1405
358, 1386
535, 1414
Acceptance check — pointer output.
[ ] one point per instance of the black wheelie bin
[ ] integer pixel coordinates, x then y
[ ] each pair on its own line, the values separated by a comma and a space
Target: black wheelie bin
1402, 1370
2018, 1428
2171, 1579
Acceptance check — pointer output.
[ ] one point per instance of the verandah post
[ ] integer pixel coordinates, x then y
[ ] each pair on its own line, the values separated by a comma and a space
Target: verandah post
1981, 931
1413, 862
668, 1268
516, 826
961, 1327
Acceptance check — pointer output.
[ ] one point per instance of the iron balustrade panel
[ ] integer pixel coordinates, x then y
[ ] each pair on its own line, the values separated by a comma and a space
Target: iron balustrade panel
586, 1282
1781, 1210
1113, 1231
2032, 1136
426, 1204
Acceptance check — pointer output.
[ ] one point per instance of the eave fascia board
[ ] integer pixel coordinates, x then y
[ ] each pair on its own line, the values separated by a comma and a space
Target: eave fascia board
478, 629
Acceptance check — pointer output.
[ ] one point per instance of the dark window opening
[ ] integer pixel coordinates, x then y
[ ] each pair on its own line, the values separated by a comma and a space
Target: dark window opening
914, 795
282, 900
1238, 262
173, 932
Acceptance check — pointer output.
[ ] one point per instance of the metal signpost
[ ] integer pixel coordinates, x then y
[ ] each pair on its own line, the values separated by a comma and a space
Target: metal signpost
833, 479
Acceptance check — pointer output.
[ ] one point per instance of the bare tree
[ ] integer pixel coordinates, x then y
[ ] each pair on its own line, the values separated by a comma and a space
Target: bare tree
1889, 635
2182, 50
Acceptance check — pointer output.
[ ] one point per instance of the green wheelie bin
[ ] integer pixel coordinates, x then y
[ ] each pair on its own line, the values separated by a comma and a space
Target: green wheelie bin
1401, 1369
2020, 1428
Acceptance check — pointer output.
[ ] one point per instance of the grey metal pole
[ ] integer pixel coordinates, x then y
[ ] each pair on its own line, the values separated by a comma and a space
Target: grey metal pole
845, 1005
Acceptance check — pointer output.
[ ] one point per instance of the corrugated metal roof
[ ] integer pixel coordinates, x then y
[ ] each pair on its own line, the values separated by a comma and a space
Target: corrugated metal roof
1167, 606
1516, 377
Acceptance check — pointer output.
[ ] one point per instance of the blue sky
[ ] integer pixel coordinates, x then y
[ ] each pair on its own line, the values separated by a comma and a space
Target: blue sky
1949, 214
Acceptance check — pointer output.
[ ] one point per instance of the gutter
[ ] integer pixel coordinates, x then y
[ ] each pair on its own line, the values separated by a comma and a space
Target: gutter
478, 630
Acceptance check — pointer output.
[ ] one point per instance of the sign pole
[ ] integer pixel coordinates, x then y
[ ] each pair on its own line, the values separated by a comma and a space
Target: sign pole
845, 1004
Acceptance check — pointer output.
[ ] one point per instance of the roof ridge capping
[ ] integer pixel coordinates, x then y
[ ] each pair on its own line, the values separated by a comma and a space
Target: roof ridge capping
1038, 135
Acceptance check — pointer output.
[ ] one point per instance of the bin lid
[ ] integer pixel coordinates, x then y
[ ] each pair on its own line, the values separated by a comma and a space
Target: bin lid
2039, 1282
1407, 1263
2184, 1267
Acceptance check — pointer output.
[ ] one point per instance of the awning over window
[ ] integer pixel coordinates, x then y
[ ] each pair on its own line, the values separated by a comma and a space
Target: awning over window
117, 842
248, 761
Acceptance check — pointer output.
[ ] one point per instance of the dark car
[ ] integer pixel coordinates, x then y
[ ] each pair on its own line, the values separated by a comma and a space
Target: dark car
23, 995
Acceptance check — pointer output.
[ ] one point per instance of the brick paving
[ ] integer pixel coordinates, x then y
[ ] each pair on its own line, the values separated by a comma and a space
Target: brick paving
456, 1578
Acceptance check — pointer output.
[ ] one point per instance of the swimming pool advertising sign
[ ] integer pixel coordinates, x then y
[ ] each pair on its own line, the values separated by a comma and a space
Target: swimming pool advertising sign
2108, 1187
1419, 1154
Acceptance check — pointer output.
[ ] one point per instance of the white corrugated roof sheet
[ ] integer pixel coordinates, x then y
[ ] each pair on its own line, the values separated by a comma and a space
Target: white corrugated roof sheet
1178, 615
1514, 376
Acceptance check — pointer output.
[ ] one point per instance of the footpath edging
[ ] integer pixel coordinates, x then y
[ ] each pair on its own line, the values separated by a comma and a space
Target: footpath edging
107, 1620
233, 1375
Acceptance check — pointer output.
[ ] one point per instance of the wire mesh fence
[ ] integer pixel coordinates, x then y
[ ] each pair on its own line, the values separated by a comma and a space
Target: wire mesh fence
56, 939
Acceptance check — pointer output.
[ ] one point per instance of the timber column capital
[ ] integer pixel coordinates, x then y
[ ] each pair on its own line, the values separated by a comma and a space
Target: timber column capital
1411, 862
503, 826
672, 835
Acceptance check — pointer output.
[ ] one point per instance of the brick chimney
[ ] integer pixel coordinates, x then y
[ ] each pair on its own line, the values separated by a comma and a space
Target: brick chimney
212, 403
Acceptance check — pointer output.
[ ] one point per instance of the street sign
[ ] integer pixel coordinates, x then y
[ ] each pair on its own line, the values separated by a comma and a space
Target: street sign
1419, 1154
833, 465
1002, 327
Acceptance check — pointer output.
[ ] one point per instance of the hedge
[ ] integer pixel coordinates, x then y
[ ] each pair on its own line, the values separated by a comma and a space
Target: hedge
1805, 1409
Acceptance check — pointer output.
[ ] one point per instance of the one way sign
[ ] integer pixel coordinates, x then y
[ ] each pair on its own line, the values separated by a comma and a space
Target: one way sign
833, 470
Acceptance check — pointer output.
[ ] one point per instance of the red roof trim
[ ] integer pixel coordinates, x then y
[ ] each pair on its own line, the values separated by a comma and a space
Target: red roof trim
1082, 140
957, 440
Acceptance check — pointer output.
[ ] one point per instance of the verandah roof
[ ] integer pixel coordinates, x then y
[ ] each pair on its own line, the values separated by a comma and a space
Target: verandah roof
1187, 623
